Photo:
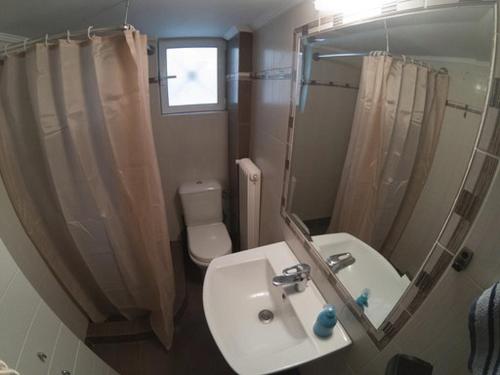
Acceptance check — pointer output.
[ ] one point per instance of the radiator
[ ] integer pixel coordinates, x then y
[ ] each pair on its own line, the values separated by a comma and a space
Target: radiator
249, 186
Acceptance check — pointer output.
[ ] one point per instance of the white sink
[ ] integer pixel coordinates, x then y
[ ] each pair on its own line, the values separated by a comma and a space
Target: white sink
370, 271
237, 287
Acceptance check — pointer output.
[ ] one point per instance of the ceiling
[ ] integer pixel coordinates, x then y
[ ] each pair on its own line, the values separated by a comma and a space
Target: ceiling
462, 32
162, 18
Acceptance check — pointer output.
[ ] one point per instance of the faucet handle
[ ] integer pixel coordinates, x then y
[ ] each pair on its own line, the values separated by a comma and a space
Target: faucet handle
335, 258
339, 261
298, 269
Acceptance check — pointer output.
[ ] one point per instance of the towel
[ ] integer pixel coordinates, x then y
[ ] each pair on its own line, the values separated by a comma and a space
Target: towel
5, 370
484, 329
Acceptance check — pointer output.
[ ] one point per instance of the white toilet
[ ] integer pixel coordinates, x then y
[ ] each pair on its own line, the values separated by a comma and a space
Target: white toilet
207, 235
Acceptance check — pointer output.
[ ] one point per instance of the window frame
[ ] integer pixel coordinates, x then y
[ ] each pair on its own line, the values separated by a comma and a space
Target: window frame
165, 44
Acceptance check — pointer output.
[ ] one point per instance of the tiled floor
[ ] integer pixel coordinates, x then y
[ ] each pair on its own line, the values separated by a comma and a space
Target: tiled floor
193, 352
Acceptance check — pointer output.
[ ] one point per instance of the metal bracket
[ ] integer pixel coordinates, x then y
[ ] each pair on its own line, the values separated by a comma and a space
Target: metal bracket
463, 259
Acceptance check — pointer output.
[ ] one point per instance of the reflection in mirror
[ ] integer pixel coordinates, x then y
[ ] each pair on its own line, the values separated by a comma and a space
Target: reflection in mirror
382, 142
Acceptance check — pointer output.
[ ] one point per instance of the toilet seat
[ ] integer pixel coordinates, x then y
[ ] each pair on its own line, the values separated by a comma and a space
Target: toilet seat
209, 241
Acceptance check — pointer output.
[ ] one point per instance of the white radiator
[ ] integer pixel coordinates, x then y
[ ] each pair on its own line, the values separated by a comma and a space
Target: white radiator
249, 185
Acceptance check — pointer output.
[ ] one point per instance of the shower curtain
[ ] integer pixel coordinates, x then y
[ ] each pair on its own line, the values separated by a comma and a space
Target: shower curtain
78, 160
395, 131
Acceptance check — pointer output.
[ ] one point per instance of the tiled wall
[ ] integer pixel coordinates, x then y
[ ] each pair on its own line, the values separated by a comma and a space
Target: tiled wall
34, 268
238, 93
437, 331
189, 147
270, 111
29, 327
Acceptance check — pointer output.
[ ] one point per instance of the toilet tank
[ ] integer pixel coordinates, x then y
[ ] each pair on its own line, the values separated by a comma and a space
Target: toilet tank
201, 202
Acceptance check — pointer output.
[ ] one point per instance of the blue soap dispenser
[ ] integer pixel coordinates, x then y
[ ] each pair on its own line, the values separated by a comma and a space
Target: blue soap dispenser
362, 300
325, 322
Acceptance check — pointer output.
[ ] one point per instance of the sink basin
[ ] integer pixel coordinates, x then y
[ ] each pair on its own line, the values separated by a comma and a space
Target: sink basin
370, 270
238, 287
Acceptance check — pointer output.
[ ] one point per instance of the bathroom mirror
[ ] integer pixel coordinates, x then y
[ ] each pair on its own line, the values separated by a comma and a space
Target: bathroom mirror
386, 116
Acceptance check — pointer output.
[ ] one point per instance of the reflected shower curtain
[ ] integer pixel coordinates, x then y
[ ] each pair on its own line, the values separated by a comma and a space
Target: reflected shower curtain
78, 161
395, 131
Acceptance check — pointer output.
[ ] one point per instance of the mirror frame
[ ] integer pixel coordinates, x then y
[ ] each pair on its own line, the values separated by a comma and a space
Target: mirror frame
475, 184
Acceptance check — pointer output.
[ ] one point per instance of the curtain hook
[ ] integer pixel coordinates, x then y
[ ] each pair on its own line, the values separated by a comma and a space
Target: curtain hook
46, 40
5, 50
88, 32
68, 35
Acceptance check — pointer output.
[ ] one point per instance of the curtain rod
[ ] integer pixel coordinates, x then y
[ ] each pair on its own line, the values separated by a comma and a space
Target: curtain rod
317, 56
87, 33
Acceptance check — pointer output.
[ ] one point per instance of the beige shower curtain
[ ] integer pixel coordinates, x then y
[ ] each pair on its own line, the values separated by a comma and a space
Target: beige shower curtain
396, 126
78, 160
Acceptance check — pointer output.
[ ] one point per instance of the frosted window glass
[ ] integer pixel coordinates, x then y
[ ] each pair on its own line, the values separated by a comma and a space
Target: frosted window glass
195, 72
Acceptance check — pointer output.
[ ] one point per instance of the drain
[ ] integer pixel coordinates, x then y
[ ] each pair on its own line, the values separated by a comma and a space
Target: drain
266, 316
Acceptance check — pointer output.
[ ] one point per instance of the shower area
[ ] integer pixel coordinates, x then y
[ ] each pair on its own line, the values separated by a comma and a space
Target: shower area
78, 161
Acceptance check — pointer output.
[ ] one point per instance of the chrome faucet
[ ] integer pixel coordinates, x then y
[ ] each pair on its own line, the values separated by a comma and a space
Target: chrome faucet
338, 261
296, 275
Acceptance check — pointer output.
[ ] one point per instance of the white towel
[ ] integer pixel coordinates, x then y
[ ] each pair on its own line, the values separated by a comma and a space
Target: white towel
484, 329
5, 370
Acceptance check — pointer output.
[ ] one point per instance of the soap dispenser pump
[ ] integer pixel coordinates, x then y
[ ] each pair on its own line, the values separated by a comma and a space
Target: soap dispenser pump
325, 322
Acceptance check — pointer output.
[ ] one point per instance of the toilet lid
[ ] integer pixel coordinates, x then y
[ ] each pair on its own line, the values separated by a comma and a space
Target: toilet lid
209, 241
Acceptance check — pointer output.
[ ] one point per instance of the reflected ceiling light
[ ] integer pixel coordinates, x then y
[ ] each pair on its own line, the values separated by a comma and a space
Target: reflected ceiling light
351, 9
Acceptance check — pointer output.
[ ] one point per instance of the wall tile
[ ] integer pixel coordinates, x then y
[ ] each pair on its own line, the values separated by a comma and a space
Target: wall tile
490, 137
246, 52
378, 364
41, 338
17, 308
269, 156
7, 268
281, 108
244, 101
270, 219
64, 355
484, 240
451, 226
440, 323
436, 264
469, 202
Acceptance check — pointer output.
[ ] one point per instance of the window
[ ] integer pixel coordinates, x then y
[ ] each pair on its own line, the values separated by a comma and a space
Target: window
192, 75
